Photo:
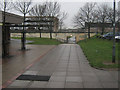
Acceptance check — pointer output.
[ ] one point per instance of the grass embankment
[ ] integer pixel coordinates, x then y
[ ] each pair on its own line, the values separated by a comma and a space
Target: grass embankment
99, 52
41, 41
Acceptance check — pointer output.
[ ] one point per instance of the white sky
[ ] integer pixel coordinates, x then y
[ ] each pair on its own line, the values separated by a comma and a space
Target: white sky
72, 7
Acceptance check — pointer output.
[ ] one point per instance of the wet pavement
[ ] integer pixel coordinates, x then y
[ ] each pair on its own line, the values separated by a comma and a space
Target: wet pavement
18, 61
68, 68
72, 40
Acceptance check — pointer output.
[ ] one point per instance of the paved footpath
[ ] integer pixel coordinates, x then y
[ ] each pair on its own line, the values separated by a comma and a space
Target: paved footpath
20, 60
68, 68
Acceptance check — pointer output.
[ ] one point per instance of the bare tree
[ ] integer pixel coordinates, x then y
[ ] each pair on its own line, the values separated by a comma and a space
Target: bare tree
103, 15
110, 15
24, 8
85, 14
118, 15
5, 4
53, 10
38, 10
62, 17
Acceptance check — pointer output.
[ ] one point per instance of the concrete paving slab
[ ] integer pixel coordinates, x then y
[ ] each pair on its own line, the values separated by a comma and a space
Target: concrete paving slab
59, 73
107, 79
60, 70
30, 73
45, 73
63, 61
88, 78
61, 67
73, 79
57, 79
73, 70
38, 84
114, 74
20, 83
63, 64
87, 74
92, 85
71, 66
110, 85
55, 85
73, 85
73, 74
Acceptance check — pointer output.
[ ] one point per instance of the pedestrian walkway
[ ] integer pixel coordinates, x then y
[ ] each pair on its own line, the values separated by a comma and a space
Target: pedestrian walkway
68, 68
20, 60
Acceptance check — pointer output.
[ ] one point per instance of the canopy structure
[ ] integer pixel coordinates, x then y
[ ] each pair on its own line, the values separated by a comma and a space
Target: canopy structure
5, 34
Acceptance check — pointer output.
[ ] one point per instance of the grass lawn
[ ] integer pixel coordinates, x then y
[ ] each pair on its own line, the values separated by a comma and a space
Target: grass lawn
99, 52
41, 41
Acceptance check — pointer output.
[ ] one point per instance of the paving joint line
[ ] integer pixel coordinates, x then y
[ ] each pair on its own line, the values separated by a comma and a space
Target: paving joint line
67, 66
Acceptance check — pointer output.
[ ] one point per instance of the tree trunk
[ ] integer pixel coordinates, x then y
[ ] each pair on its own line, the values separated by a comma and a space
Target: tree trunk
103, 27
23, 35
102, 30
51, 30
40, 32
50, 35
89, 31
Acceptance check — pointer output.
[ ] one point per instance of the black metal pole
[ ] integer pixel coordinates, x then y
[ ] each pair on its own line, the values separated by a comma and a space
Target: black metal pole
113, 54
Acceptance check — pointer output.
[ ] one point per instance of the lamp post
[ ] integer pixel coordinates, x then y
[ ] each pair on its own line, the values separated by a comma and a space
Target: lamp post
113, 53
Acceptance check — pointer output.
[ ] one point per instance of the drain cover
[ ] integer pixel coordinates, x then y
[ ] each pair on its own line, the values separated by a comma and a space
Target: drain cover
33, 78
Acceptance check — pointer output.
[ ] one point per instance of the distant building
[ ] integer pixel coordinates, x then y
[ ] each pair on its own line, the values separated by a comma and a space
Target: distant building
44, 20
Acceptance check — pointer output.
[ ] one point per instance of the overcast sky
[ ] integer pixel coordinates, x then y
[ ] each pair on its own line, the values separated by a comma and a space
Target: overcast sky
72, 7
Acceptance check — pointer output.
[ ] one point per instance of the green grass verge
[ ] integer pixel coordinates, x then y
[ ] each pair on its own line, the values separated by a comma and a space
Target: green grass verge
41, 41
99, 51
